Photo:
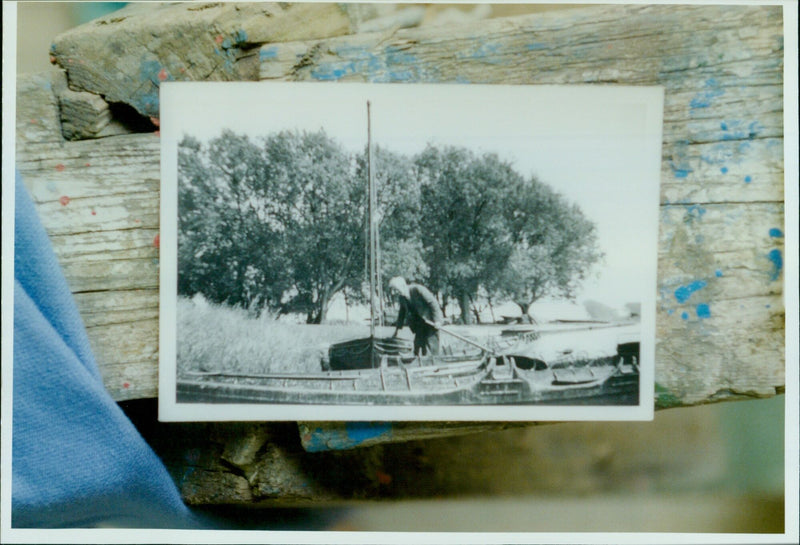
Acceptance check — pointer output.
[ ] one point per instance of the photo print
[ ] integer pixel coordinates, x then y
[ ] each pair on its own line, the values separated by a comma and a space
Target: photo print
351, 251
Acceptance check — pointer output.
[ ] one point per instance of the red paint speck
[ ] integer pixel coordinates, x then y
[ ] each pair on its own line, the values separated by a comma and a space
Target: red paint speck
157, 240
34, 121
162, 74
126, 385
60, 167
219, 39
137, 221
64, 200
383, 478
87, 165
94, 212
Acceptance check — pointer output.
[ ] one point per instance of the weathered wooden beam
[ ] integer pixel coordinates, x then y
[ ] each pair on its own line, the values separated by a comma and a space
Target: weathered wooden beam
125, 55
265, 464
720, 249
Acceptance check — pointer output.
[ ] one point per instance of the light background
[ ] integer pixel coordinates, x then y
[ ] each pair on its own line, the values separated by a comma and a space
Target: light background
598, 146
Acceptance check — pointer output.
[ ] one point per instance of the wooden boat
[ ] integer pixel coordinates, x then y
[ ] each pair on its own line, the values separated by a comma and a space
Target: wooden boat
470, 378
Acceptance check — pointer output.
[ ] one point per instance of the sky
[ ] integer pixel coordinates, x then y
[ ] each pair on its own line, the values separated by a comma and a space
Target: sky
600, 146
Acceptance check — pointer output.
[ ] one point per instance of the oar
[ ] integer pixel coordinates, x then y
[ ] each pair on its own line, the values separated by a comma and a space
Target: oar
462, 338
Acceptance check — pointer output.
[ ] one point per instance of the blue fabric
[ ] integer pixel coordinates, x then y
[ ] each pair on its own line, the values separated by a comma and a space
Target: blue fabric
77, 459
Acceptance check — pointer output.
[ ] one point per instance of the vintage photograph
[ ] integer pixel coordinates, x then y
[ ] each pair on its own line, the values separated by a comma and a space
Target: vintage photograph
429, 251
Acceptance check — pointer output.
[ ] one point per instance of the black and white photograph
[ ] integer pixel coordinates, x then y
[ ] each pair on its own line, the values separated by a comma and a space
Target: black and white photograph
408, 252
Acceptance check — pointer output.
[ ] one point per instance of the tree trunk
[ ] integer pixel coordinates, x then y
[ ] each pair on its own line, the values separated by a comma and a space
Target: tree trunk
524, 308
463, 303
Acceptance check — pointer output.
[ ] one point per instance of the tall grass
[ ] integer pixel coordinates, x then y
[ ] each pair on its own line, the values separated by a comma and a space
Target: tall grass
218, 338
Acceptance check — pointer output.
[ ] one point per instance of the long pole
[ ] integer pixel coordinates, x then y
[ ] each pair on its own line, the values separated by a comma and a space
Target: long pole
371, 219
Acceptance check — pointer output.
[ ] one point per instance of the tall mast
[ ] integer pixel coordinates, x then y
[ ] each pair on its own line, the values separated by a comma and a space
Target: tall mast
371, 220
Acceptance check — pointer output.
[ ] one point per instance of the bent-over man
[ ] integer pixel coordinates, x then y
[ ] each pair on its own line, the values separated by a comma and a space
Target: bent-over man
420, 311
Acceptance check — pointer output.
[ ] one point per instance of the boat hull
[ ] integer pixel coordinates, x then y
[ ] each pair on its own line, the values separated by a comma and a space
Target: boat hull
455, 383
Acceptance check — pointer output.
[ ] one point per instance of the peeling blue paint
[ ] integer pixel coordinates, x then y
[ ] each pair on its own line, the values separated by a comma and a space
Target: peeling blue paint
775, 233
330, 72
738, 129
777, 263
718, 273
240, 37
680, 172
358, 432
683, 293
703, 311
685, 315
267, 53
536, 46
148, 71
704, 99
696, 212
147, 103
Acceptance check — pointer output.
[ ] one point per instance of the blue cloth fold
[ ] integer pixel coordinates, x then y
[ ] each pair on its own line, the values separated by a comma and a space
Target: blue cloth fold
77, 461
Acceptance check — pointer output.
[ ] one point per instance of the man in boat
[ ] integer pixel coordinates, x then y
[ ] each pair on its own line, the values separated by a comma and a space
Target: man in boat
420, 311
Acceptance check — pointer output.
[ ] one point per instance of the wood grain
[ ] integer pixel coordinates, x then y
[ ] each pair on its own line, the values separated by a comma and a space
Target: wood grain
720, 311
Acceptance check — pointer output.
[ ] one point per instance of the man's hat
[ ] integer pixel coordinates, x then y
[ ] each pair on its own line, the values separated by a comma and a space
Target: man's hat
398, 283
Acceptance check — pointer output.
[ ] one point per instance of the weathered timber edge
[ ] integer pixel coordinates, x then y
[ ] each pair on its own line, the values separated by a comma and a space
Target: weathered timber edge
721, 237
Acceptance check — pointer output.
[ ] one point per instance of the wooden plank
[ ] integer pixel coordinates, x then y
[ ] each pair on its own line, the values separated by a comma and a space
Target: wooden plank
720, 258
125, 55
264, 465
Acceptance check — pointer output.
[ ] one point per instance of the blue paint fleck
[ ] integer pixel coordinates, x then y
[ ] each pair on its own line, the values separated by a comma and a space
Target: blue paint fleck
718, 273
327, 72
240, 36
696, 211
670, 312
226, 43
536, 46
147, 103
148, 71
737, 129
775, 233
267, 53
703, 311
685, 315
748, 179
724, 170
767, 306
777, 263
358, 432
703, 99
681, 172
683, 293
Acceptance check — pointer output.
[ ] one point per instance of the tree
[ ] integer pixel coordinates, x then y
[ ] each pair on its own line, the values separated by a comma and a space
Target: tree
464, 235
554, 247
222, 235
317, 203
